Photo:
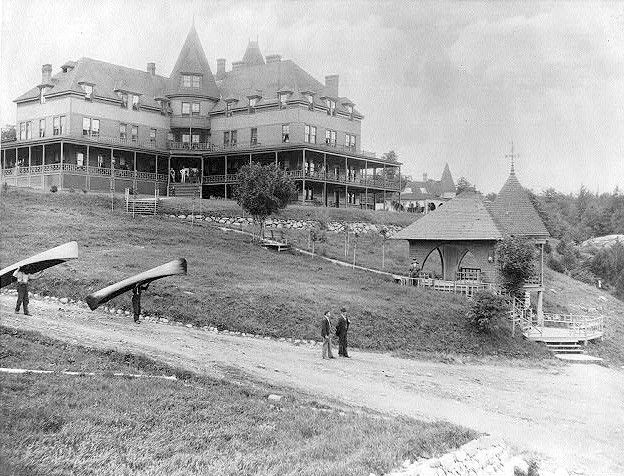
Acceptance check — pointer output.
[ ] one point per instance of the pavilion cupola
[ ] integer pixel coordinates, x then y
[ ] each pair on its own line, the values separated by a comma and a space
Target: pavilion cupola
191, 75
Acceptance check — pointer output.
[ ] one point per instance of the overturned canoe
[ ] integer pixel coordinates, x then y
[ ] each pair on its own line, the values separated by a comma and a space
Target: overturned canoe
177, 266
40, 261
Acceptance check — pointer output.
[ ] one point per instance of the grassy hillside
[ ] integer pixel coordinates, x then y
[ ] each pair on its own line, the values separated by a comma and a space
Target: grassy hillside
101, 425
234, 284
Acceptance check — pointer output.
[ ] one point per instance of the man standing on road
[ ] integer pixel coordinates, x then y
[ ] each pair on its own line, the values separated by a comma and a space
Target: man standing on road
341, 332
136, 300
22, 289
326, 335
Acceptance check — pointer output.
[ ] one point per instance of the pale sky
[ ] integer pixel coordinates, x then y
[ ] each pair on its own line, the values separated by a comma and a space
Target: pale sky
437, 82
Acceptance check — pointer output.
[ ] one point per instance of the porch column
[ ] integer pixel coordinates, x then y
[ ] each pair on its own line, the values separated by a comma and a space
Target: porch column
88, 179
325, 178
168, 173
225, 170
134, 176
366, 182
60, 167
346, 182
399, 188
303, 173
29, 163
276, 162
112, 171
385, 184
250, 158
201, 179
540, 308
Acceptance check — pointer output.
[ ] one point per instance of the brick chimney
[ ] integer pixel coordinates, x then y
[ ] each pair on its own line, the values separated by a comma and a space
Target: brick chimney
331, 85
151, 69
46, 73
220, 66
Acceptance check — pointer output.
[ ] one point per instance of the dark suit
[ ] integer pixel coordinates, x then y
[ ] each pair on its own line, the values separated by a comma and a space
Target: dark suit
326, 335
341, 332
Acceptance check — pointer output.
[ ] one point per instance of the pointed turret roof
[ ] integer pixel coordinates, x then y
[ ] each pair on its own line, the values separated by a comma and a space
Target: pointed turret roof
252, 55
514, 212
192, 60
446, 182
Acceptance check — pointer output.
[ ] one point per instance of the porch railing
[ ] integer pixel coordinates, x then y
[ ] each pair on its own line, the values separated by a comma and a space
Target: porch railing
581, 326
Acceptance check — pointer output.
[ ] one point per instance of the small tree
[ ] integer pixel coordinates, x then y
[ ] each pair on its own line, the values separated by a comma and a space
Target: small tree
516, 262
263, 190
487, 310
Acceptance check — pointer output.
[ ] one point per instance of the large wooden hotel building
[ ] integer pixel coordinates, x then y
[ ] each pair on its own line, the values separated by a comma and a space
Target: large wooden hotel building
99, 126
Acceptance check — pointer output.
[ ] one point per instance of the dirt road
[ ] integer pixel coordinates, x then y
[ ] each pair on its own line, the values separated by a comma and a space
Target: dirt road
572, 415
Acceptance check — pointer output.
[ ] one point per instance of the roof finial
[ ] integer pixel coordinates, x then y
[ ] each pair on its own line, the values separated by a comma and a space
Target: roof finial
512, 156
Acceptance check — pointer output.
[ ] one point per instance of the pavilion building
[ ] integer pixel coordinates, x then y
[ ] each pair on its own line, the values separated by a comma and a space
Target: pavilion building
99, 126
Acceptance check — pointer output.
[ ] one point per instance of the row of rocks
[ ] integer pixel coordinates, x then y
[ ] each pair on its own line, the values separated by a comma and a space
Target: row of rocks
277, 223
483, 456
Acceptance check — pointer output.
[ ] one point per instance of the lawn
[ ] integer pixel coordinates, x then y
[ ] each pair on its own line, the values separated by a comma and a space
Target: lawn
235, 284
101, 425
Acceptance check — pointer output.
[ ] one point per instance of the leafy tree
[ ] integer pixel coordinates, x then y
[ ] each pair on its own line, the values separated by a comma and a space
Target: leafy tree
463, 185
263, 190
390, 156
9, 134
515, 257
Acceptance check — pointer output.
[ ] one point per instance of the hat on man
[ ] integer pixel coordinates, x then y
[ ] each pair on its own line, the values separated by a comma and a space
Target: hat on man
343, 309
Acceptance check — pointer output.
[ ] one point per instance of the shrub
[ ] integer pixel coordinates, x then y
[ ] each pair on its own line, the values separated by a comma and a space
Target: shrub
53, 189
555, 264
487, 311
515, 261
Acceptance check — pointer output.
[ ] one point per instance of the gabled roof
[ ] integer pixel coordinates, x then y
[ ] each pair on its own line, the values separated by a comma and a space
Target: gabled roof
462, 218
192, 60
514, 212
106, 78
252, 55
267, 79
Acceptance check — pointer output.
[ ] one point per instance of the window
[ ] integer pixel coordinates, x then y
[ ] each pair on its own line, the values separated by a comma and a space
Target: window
186, 138
42, 124
233, 136
152, 136
186, 108
228, 109
330, 137
29, 130
350, 111
310, 99
229, 138
283, 97
285, 133
331, 107
79, 159
254, 136
191, 81
195, 109
195, 138
123, 131
86, 126
95, 128
58, 125
226, 138
42, 98
350, 141
22, 131
252, 104
186, 80
124, 100
170, 136
310, 134
135, 102
135, 133
164, 107
196, 80
88, 89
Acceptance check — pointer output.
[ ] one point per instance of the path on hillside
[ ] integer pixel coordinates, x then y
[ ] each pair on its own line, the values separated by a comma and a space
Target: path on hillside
573, 415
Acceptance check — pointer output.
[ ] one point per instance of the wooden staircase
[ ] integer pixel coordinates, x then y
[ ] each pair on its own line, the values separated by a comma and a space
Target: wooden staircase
141, 206
565, 347
186, 190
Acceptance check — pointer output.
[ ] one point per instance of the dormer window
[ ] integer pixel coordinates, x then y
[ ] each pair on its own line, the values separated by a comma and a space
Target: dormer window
42, 92
350, 111
228, 109
124, 100
164, 107
88, 90
283, 97
310, 99
253, 102
331, 107
191, 81
135, 102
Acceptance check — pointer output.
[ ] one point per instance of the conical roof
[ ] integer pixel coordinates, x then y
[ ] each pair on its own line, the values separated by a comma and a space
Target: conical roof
514, 212
192, 60
447, 184
252, 55
462, 218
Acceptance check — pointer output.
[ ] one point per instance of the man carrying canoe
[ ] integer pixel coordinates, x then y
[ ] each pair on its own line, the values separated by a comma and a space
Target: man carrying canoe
136, 300
22, 289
